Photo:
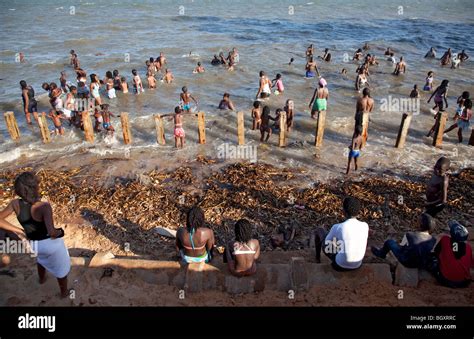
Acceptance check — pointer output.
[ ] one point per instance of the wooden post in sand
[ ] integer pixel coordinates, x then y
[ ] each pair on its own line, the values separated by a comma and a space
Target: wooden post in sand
320, 122
87, 123
43, 125
240, 128
201, 128
471, 139
439, 131
127, 135
365, 127
403, 131
282, 139
12, 125
160, 130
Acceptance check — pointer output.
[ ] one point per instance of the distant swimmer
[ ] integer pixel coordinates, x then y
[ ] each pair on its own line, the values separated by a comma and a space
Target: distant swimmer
222, 58
216, 61
162, 60
358, 55
455, 61
361, 80
137, 82
446, 58
264, 89
309, 52
199, 68
391, 58
168, 77
291, 61
226, 103
151, 80
311, 68
326, 56
30, 105
319, 101
344, 71
463, 56
365, 104
429, 82
366, 46
414, 94
388, 51
400, 68
431, 53
278, 83
372, 60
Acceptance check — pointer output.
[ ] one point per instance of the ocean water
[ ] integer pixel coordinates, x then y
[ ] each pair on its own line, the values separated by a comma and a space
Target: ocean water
267, 34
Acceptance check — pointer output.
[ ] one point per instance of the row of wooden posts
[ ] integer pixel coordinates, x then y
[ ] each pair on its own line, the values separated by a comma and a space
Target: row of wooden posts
12, 127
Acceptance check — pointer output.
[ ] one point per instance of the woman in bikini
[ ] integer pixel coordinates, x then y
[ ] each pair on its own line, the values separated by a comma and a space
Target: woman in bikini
94, 89
179, 134
195, 242
319, 100
242, 254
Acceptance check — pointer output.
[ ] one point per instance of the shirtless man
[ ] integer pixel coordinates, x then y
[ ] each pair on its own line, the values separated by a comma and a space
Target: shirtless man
186, 98
29, 102
400, 67
437, 188
354, 149
168, 77
365, 104
311, 68
162, 60
264, 89
463, 56
195, 242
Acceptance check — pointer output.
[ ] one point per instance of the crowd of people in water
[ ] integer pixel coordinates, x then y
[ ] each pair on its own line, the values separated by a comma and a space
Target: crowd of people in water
447, 256
64, 98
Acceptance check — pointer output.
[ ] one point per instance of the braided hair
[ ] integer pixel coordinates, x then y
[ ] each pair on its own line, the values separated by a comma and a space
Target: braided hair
194, 219
243, 231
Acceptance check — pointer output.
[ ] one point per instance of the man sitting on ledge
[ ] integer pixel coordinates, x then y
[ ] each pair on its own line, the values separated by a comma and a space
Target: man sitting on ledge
242, 254
415, 249
195, 242
345, 244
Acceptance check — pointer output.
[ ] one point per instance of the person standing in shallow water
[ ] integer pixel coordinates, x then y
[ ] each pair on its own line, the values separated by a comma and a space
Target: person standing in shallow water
30, 104
365, 104
264, 89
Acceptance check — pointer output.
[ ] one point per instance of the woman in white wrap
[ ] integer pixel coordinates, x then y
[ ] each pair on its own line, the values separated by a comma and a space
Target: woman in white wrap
36, 219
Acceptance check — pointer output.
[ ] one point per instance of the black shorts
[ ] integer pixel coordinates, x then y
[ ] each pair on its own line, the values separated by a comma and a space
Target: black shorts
433, 210
264, 95
33, 107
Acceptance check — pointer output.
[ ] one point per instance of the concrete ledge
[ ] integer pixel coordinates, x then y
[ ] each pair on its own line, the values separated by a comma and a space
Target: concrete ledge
405, 276
325, 275
299, 274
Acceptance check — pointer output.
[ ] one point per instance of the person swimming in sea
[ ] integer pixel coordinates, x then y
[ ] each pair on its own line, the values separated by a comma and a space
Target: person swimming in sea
319, 100
278, 83
400, 68
446, 58
429, 82
414, 92
226, 103
361, 80
431, 53
264, 89
326, 56
311, 68
199, 68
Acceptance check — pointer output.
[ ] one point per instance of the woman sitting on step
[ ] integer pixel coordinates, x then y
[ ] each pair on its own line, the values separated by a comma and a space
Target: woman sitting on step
242, 254
195, 242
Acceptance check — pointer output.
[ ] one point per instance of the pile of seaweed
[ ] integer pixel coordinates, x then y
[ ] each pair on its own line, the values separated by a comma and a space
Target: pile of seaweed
128, 209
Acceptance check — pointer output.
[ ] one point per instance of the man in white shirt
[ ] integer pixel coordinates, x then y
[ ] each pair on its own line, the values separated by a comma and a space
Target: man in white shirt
345, 244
